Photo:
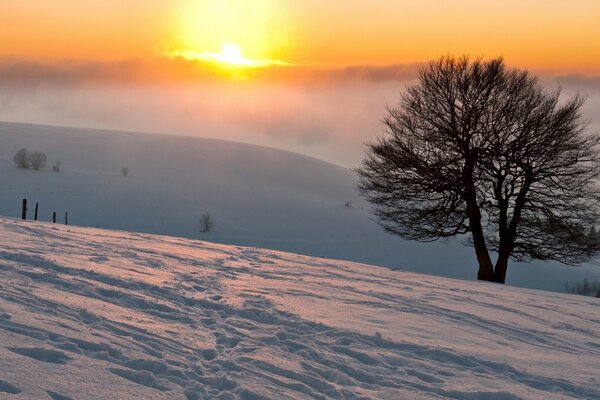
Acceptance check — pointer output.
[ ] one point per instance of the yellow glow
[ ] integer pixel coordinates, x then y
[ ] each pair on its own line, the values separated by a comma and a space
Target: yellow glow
230, 56
255, 26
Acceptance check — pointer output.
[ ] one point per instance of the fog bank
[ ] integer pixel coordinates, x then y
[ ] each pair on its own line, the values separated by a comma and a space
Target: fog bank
328, 113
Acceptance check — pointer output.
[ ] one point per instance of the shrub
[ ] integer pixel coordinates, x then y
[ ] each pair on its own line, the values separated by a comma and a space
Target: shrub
37, 160
584, 288
206, 223
21, 160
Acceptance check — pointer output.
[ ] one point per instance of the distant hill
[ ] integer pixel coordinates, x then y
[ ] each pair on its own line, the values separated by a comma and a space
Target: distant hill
257, 196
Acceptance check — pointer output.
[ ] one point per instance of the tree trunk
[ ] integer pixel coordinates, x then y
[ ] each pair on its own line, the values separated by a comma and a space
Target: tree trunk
500, 270
486, 269
509, 235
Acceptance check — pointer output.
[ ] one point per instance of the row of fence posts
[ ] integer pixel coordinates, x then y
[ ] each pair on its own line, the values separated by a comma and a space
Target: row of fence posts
35, 215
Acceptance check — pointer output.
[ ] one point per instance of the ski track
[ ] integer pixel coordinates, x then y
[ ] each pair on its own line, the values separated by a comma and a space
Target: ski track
93, 314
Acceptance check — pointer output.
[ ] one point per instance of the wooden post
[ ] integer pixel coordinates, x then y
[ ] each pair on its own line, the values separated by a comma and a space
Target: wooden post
66, 218
24, 209
36, 211
54, 217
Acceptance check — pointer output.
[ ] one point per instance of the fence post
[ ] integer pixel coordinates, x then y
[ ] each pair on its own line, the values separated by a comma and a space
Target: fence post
36, 211
66, 218
24, 209
54, 217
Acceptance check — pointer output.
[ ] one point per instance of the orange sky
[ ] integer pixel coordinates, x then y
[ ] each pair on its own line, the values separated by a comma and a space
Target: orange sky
552, 34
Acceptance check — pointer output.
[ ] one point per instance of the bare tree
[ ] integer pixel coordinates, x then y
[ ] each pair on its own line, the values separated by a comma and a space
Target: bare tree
21, 159
476, 148
125, 171
38, 160
206, 223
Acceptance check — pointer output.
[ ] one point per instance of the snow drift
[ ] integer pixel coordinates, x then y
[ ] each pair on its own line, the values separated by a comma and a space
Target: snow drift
96, 314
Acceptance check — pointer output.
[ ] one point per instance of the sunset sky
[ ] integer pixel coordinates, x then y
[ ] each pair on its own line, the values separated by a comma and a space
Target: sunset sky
312, 76
551, 34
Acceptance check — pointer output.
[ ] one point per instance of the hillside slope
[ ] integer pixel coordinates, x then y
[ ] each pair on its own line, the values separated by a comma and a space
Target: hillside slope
257, 196
96, 314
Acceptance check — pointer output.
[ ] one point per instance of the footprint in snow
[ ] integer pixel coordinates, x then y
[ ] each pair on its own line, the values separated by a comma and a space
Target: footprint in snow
57, 396
145, 378
9, 388
41, 354
99, 259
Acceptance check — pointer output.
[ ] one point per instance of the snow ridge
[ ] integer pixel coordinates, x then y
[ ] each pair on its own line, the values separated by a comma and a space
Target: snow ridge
94, 314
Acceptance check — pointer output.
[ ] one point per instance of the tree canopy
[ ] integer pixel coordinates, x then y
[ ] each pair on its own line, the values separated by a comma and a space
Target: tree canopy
479, 149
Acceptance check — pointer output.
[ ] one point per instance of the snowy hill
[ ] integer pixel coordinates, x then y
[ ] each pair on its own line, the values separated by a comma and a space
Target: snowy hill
257, 196
96, 314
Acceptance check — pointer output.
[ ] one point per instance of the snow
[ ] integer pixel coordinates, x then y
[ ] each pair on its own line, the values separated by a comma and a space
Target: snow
258, 196
94, 314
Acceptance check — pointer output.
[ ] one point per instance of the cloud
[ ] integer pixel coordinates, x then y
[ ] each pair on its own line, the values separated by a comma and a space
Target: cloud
319, 110
323, 111
15, 70
19, 71
584, 83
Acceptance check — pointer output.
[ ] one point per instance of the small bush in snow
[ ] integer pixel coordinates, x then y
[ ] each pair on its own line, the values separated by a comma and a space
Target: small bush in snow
56, 167
37, 160
585, 288
206, 223
21, 160
125, 171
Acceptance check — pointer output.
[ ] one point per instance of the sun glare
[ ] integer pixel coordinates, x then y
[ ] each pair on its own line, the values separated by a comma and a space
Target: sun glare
231, 34
231, 56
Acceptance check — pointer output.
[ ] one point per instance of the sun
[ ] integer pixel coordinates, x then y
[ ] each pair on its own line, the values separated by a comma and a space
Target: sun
230, 57
232, 54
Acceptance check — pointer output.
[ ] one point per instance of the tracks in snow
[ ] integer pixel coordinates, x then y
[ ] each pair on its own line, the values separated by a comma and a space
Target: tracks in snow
187, 320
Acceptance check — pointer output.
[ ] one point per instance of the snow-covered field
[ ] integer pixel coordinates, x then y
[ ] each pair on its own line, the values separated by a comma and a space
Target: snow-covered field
96, 314
257, 196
